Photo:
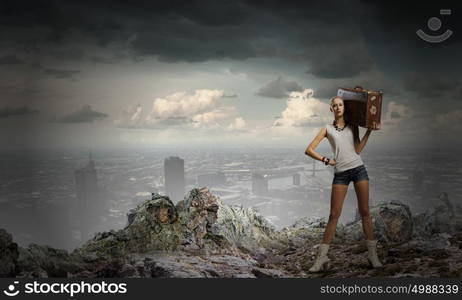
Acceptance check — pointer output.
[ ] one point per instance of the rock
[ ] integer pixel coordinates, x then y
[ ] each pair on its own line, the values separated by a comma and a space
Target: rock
303, 231
456, 273
444, 198
83, 274
438, 263
36, 260
244, 228
9, 255
393, 223
456, 240
202, 208
161, 264
200, 224
438, 253
110, 269
268, 273
203, 237
443, 218
436, 241
389, 269
406, 275
128, 271
157, 224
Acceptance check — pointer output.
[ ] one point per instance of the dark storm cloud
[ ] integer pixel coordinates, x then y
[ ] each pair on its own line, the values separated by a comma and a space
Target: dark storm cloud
84, 115
10, 60
330, 37
68, 53
55, 73
279, 88
390, 29
102, 60
7, 112
400, 21
61, 74
434, 85
376, 81
340, 62
195, 31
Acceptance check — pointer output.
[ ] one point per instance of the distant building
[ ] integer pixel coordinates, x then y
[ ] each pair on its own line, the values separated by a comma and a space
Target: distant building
296, 179
88, 207
211, 179
174, 178
86, 183
259, 184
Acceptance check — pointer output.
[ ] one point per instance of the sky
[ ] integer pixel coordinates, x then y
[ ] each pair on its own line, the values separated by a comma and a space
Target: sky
101, 74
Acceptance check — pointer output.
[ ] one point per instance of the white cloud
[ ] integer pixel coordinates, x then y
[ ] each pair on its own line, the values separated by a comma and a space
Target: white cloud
188, 111
238, 124
304, 110
212, 118
181, 104
202, 113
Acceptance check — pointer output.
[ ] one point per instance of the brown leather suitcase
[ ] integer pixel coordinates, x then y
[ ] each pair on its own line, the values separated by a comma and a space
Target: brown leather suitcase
362, 107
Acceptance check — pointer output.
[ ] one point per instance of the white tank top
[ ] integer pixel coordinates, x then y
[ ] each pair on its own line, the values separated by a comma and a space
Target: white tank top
343, 147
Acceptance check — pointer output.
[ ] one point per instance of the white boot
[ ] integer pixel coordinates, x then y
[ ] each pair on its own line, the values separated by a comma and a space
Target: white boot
322, 261
372, 254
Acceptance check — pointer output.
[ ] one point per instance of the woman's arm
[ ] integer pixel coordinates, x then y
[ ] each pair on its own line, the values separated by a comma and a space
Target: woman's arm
310, 149
359, 145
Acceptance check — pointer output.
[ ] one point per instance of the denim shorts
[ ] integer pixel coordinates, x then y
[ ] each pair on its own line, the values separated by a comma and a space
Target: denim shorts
356, 174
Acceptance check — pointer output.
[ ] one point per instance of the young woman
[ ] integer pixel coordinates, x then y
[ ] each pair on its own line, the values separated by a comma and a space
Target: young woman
346, 146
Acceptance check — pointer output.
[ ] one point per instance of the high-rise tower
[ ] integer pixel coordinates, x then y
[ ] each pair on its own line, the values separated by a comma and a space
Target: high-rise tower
86, 185
174, 178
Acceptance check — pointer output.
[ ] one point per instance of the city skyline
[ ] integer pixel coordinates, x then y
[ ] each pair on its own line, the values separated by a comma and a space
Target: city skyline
38, 193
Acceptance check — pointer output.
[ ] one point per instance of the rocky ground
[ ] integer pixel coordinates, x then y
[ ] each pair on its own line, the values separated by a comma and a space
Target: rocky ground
202, 237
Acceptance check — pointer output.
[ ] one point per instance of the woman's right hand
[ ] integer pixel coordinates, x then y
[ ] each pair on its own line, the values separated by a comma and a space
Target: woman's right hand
332, 162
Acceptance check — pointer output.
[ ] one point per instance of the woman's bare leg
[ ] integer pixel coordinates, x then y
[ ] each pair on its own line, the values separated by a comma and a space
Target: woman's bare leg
336, 203
362, 193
